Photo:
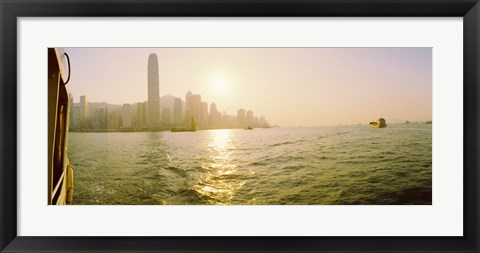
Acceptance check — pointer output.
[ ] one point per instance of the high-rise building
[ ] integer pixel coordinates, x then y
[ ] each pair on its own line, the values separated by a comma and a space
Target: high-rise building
166, 118
194, 108
83, 111
215, 117
204, 114
188, 98
75, 116
107, 122
127, 115
70, 111
99, 119
188, 110
142, 115
241, 117
153, 91
177, 111
263, 121
249, 119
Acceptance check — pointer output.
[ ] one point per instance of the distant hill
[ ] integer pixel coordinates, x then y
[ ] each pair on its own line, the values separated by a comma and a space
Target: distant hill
167, 101
103, 105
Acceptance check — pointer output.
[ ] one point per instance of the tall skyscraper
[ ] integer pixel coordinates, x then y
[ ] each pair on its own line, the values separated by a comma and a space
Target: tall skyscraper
153, 91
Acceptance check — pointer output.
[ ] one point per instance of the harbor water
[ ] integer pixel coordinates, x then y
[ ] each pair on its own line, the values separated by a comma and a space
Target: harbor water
341, 165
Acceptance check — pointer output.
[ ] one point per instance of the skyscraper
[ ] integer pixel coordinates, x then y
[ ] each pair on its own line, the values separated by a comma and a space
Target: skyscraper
177, 111
83, 112
215, 116
127, 115
194, 108
249, 119
70, 111
153, 91
166, 116
142, 114
241, 117
204, 113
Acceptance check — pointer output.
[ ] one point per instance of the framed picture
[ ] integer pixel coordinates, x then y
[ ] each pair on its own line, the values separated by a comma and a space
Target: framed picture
240, 126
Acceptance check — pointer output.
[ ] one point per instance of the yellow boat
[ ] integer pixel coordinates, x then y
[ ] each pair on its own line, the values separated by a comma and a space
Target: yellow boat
381, 123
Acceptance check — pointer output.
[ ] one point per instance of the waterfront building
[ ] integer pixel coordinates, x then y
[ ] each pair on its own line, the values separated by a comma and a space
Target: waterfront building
204, 114
249, 119
263, 121
75, 118
256, 121
83, 112
70, 111
166, 116
194, 109
197, 107
227, 121
127, 116
142, 115
215, 117
99, 119
153, 91
177, 111
188, 99
114, 120
241, 117
107, 119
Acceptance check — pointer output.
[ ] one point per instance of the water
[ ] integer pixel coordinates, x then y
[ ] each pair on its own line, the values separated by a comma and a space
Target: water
279, 166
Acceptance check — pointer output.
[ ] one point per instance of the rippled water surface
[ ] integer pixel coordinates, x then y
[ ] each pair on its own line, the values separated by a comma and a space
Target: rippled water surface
325, 165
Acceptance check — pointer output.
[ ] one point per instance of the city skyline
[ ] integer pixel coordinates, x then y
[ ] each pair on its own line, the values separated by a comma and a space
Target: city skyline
93, 116
291, 86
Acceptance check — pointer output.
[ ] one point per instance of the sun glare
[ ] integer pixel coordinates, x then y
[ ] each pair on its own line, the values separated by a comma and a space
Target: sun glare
220, 84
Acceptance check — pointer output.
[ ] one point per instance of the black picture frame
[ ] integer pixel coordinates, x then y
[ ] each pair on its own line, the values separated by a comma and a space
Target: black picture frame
11, 10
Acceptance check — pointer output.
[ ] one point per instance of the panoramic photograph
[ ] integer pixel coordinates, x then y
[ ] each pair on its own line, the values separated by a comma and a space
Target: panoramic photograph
240, 126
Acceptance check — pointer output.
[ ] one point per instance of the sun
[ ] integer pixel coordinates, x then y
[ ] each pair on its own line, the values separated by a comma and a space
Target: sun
220, 84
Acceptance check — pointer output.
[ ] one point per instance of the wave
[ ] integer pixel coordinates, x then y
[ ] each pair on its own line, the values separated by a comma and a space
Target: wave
288, 142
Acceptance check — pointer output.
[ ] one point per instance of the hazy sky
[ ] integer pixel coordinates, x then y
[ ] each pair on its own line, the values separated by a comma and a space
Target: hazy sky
289, 86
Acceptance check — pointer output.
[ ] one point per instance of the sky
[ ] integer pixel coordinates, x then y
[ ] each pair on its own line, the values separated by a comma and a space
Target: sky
289, 86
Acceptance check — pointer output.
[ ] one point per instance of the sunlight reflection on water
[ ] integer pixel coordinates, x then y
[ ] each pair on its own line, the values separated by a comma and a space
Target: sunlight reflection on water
326, 165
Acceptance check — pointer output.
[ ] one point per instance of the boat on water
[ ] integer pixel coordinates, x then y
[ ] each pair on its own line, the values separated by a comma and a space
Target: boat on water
380, 123
192, 129
60, 171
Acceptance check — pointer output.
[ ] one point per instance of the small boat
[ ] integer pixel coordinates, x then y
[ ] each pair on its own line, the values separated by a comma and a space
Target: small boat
192, 129
248, 128
381, 123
